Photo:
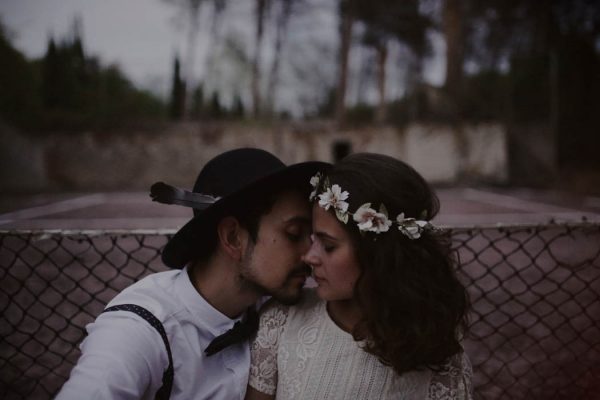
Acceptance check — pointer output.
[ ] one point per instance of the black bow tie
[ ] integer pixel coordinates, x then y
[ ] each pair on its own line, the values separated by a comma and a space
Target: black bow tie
241, 331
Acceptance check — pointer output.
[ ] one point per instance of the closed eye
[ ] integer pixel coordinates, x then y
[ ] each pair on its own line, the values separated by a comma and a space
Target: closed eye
326, 242
297, 233
294, 237
329, 248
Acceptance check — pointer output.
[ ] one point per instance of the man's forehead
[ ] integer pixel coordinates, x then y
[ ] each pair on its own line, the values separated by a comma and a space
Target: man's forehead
291, 200
292, 213
287, 219
289, 207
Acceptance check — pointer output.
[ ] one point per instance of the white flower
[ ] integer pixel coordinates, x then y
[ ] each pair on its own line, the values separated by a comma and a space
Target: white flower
334, 197
366, 218
314, 182
410, 227
370, 220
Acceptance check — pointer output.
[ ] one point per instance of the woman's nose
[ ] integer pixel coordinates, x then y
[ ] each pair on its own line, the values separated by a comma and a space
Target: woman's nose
311, 257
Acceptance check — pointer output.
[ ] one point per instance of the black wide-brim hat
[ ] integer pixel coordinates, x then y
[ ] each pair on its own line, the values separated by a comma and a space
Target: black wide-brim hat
225, 183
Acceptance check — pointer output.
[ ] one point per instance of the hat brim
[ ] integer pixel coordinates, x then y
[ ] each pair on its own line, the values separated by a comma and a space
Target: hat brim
184, 245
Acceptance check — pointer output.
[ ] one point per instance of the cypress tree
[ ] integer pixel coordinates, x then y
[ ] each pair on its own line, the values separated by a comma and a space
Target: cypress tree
177, 104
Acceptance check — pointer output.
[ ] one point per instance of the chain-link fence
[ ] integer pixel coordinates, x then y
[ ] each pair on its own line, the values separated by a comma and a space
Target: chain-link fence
535, 290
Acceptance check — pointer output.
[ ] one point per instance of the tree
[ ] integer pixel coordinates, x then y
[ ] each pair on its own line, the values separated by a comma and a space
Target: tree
552, 54
347, 12
192, 10
237, 110
177, 105
260, 12
388, 20
50, 72
454, 30
63, 74
20, 103
282, 21
68, 90
385, 20
216, 110
198, 107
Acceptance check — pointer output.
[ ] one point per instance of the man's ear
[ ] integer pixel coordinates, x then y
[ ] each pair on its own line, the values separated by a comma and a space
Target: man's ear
232, 237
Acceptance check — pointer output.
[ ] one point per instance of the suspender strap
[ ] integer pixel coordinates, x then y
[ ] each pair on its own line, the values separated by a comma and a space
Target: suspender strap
165, 390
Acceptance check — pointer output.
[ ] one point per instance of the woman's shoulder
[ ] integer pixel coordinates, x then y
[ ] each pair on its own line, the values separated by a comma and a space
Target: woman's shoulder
458, 364
455, 377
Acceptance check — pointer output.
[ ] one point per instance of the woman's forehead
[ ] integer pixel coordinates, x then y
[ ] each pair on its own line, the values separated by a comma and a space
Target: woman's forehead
325, 222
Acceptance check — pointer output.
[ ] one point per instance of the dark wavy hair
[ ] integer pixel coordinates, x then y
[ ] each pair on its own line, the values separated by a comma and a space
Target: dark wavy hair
414, 307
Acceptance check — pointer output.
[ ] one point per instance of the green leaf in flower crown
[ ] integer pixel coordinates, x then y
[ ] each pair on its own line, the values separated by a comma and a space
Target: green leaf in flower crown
341, 215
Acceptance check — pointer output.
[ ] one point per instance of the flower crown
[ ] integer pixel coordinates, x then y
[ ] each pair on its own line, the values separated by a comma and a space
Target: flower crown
367, 219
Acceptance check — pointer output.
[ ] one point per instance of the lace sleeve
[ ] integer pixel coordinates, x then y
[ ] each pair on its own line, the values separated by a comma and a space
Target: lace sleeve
454, 383
263, 351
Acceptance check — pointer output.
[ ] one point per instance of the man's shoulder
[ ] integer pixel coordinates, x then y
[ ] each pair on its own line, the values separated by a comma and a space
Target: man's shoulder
153, 293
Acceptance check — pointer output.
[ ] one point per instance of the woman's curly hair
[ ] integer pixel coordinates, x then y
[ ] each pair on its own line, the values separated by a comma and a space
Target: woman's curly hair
414, 307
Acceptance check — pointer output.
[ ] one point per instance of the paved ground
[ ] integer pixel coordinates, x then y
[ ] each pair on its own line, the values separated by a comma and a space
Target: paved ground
134, 210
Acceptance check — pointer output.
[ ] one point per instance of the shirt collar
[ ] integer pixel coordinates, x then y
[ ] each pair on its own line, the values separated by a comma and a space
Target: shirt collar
216, 322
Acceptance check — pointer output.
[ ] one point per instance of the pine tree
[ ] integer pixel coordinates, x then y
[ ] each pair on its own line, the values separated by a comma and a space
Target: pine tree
177, 105
216, 109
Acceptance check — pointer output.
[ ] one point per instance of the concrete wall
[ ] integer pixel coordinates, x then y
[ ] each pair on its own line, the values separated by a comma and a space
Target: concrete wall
134, 160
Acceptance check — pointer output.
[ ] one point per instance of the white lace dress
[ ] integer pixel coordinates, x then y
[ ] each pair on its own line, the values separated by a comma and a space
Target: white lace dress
300, 353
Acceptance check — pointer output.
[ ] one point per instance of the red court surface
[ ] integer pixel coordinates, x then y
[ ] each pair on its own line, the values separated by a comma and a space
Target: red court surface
135, 210
534, 290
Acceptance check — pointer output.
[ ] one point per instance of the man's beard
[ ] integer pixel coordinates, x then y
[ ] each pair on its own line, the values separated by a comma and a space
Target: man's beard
285, 293
291, 295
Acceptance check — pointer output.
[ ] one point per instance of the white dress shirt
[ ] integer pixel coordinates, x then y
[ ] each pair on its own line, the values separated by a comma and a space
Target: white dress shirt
124, 357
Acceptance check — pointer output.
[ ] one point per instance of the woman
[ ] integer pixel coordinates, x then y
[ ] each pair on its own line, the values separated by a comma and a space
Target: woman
387, 315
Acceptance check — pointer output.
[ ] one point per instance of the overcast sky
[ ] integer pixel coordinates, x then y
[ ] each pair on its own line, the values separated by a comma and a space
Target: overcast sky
141, 36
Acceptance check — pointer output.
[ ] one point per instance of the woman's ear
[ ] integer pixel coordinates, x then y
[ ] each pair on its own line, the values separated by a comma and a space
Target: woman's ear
232, 237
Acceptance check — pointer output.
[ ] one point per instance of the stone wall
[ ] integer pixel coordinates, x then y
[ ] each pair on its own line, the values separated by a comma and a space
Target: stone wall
91, 161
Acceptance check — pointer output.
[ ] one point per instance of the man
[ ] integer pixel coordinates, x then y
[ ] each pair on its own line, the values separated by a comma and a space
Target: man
170, 334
